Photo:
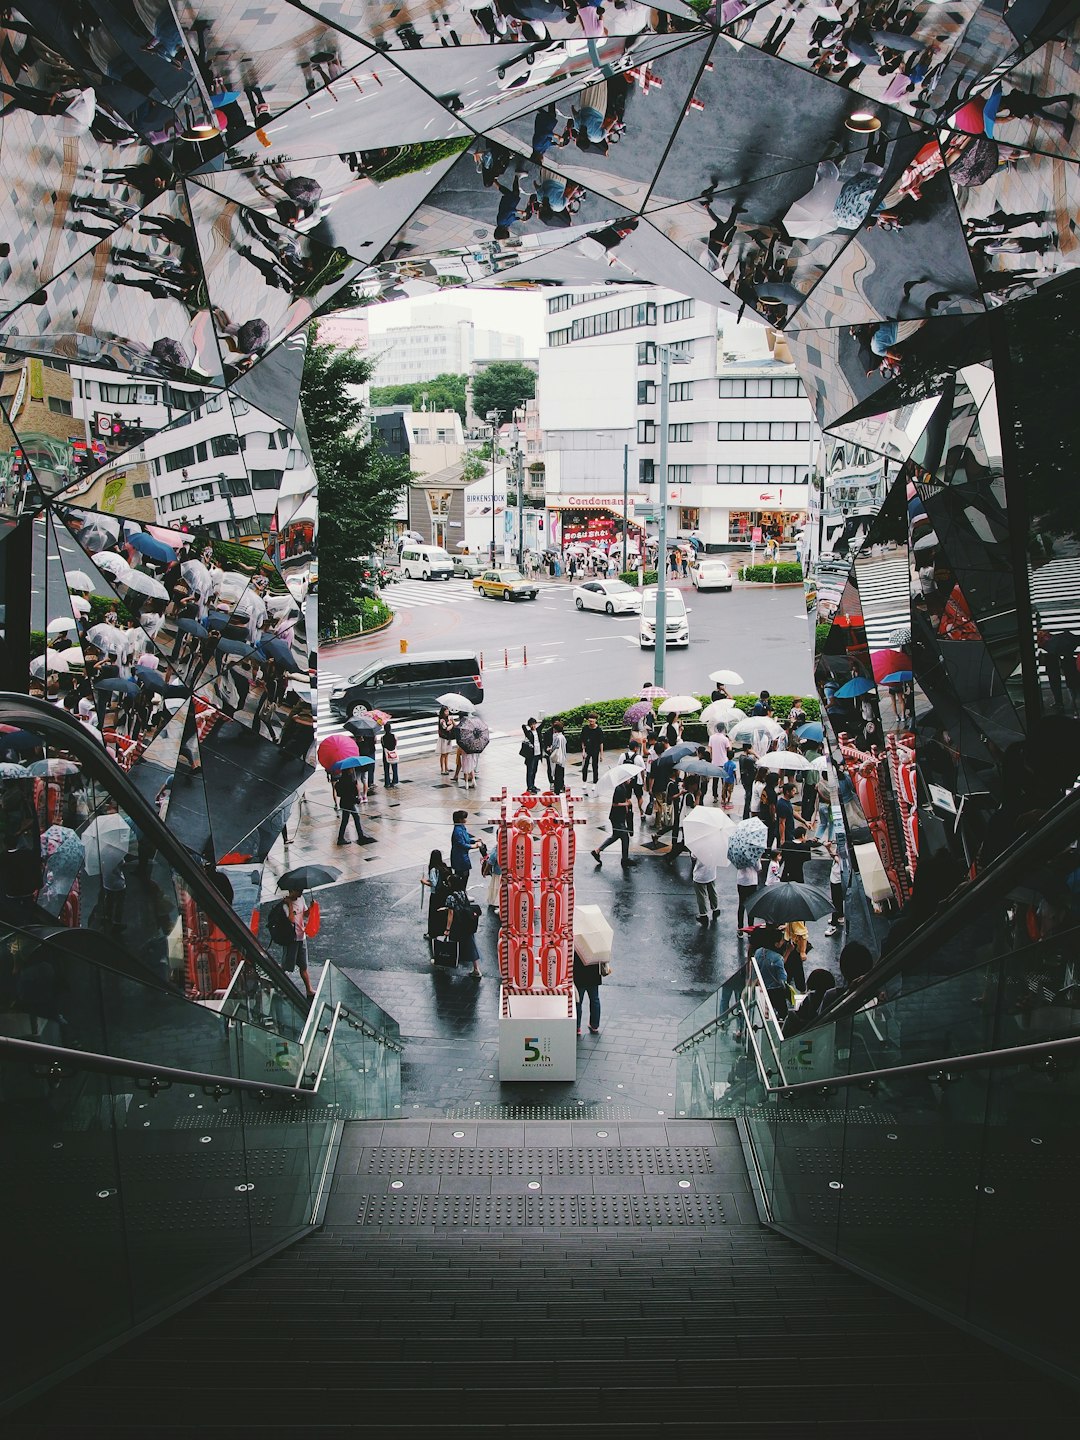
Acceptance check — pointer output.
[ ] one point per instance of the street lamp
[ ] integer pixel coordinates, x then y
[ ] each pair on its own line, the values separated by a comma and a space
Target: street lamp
667, 358
494, 416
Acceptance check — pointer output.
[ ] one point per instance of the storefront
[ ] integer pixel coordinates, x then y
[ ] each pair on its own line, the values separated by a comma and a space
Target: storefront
590, 520
754, 527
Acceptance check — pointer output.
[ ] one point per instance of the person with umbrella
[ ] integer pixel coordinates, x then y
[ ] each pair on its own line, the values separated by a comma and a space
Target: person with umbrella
473, 739
348, 795
446, 740
296, 912
621, 820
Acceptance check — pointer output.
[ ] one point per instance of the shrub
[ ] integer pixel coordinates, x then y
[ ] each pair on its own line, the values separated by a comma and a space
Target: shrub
630, 577
788, 572
368, 613
610, 715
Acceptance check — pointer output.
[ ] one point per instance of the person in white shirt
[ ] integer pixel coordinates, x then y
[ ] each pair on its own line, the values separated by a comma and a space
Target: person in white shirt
746, 882
719, 750
557, 757
704, 877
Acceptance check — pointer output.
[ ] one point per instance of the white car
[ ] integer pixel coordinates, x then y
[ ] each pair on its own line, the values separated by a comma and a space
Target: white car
614, 597
677, 624
711, 575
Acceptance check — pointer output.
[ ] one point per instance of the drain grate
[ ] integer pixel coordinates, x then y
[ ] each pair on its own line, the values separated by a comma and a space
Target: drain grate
818, 1115
503, 1160
540, 1211
595, 1111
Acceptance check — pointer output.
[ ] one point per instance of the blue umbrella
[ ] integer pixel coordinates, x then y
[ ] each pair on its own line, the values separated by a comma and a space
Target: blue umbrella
898, 677
746, 843
117, 686
681, 751
21, 741
150, 679
693, 766
191, 627
351, 762
153, 549
812, 730
275, 649
236, 647
854, 688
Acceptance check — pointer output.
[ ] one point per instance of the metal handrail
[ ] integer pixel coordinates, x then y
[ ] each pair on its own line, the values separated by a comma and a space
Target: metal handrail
712, 1025
139, 1069
985, 1060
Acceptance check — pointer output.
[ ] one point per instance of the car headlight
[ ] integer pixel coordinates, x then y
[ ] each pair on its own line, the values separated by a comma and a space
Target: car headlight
337, 694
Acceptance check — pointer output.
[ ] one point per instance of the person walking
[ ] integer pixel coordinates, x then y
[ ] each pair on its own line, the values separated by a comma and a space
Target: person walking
531, 750
587, 981
348, 796
704, 877
592, 748
557, 757
747, 776
621, 820
446, 740
836, 890
461, 843
389, 756
747, 882
296, 956
785, 815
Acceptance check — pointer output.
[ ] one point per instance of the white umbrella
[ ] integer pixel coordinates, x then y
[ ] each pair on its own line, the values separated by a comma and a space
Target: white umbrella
78, 580
107, 637
112, 564
108, 833
74, 657
784, 760
592, 934
720, 712
705, 834
617, 774
79, 605
759, 730
59, 625
725, 677
144, 584
679, 705
453, 701
196, 574
52, 660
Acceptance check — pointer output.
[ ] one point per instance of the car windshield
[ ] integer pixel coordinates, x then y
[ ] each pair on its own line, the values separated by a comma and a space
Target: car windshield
510, 575
434, 554
366, 671
618, 587
675, 604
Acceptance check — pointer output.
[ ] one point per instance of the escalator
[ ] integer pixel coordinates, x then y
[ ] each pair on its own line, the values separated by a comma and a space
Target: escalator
923, 1130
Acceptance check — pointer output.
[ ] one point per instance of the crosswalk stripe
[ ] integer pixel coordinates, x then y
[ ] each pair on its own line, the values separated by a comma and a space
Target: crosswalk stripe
415, 737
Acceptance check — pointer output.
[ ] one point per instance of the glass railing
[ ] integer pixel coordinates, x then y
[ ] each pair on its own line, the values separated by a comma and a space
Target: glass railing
131, 1188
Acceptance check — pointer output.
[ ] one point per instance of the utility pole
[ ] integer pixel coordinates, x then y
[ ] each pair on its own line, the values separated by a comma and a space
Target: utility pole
666, 359
519, 474
494, 416
625, 502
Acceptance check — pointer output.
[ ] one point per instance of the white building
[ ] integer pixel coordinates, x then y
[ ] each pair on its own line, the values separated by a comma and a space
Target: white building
438, 340
740, 431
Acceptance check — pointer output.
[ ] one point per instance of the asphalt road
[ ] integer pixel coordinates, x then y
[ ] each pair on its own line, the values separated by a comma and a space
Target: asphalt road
575, 657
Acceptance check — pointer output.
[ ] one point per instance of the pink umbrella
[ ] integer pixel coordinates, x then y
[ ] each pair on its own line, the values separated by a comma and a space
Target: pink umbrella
335, 748
885, 662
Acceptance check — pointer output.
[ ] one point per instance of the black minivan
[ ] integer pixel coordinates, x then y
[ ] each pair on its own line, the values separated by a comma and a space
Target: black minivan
409, 684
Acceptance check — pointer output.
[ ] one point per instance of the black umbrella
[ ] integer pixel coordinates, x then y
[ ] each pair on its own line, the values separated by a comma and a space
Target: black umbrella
306, 877
150, 679
789, 900
693, 766
117, 685
362, 725
21, 741
191, 627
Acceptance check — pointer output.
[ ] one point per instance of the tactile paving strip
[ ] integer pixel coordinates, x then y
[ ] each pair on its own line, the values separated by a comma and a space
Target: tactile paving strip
539, 1211
586, 1111
505, 1160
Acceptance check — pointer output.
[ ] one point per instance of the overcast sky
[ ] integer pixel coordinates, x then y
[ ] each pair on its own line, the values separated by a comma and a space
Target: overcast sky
515, 314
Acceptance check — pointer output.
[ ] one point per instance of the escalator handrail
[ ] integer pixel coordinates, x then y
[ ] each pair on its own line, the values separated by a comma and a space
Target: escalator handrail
137, 1069
1059, 825
983, 1060
41, 717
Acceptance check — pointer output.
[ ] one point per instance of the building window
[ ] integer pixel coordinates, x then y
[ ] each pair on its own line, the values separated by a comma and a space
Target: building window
646, 472
778, 389
689, 517
680, 434
180, 459
758, 475
140, 490
680, 474
763, 430
681, 390
58, 406
646, 432
266, 479
224, 445
682, 347
679, 310
646, 392
646, 352
237, 487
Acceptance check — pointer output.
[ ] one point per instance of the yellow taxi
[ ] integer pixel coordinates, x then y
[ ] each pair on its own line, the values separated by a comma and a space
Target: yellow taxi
505, 585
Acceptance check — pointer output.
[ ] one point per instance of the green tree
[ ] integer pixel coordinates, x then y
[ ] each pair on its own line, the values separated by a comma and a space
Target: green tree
359, 484
444, 392
503, 386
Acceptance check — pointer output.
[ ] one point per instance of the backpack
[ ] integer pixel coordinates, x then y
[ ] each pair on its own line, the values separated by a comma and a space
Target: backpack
474, 916
278, 925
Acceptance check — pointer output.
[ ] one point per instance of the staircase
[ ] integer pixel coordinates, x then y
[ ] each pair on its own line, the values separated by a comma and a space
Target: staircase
506, 1278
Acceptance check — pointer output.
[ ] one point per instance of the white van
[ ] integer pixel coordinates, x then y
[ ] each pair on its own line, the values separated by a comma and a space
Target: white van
425, 562
678, 624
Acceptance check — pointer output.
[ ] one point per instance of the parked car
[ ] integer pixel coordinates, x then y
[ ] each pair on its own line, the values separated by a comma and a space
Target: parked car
614, 597
677, 623
710, 574
505, 585
425, 562
409, 685
468, 566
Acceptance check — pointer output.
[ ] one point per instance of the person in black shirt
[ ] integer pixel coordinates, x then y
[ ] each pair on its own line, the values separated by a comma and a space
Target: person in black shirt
795, 854
621, 819
747, 776
592, 747
348, 794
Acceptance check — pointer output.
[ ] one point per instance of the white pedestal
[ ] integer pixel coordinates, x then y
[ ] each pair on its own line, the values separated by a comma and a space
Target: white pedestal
537, 1038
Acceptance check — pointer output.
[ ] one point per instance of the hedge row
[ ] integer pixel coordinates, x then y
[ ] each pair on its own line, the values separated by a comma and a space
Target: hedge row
100, 606
787, 572
610, 714
629, 577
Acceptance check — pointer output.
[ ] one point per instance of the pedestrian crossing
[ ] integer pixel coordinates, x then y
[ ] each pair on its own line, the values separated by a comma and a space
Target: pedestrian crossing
418, 594
1055, 594
415, 737
884, 595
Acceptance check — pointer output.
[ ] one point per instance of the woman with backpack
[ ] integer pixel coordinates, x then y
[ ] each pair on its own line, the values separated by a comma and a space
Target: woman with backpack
462, 920
437, 878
